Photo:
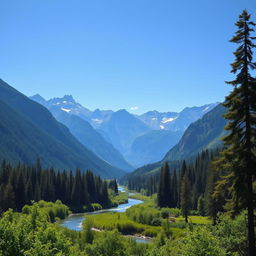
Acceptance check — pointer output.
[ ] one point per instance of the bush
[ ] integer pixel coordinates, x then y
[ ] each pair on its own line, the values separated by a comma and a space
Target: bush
151, 232
156, 222
175, 212
92, 207
201, 242
165, 213
128, 228
143, 214
54, 211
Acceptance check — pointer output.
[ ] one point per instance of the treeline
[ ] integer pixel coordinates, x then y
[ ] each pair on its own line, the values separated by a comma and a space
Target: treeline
21, 184
190, 181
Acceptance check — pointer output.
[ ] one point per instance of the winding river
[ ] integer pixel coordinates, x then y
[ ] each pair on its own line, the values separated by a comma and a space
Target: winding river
74, 221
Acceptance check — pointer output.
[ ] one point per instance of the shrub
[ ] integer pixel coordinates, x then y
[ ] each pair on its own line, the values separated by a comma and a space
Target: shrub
156, 222
165, 213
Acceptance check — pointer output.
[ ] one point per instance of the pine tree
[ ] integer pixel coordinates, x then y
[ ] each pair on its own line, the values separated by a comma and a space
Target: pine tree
20, 192
239, 157
164, 190
76, 195
182, 173
8, 198
200, 206
185, 196
174, 190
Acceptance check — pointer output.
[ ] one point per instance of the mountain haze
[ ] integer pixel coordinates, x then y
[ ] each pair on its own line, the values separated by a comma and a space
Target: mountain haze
29, 131
140, 139
205, 133
152, 146
91, 139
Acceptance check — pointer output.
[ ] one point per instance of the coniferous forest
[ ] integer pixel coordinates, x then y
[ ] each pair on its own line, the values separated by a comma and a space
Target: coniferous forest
200, 205
22, 184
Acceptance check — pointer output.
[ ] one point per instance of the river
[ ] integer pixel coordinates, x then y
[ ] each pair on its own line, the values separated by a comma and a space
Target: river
74, 221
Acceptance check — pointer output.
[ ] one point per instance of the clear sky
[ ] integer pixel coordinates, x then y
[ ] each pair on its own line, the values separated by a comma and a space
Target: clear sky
113, 54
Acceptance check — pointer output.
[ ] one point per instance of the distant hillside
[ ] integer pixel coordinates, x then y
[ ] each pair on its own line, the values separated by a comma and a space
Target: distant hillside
205, 133
122, 129
29, 131
82, 129
92, 139
174, 121
152, 146
141, 139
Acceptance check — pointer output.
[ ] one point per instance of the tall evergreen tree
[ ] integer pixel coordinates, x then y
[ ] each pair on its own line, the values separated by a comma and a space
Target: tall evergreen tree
164, 189
182, 173
174, 190
239, 156
7, 198
185, 196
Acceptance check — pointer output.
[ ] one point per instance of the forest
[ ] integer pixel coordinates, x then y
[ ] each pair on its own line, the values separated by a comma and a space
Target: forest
81, 191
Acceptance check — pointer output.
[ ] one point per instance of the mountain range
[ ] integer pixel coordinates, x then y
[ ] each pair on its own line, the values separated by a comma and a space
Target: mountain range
29, 131
66, 135
140, 139
205, 133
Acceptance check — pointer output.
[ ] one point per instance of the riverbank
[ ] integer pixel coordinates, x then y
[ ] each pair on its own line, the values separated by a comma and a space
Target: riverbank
135, 236
74, 221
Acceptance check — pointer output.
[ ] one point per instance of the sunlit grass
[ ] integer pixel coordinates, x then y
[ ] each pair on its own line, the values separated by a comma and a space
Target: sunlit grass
119, 221
196, 220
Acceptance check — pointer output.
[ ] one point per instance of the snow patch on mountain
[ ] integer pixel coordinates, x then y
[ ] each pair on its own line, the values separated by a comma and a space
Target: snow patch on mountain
168, 120
66, 110
206, 109
97, 121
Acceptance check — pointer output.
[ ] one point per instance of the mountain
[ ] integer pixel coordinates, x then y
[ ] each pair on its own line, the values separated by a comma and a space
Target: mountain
174, 121
202, 134
91, 139
29, 131
152, 146
122, 128
168, 129
128, 133
157, 120
205, 133
66, 104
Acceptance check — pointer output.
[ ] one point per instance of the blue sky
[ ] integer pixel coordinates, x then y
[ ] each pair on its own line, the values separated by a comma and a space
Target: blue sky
114, 54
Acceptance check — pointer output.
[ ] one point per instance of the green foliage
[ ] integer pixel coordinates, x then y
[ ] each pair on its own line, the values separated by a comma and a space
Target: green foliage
112, 244
201, 242
145, 214
200, 176
196, 220
201, 206
87, 233
236, 165
185, 195
31, 234
119, 221
22, 184
227, 237
167, 228
92, 207
139, 197
116, 199
53, 210
164, 198
232, 234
